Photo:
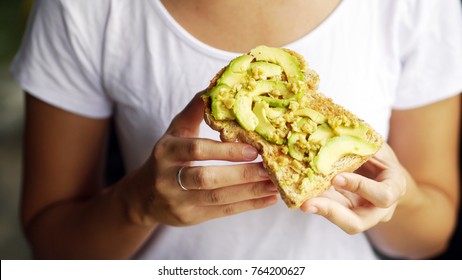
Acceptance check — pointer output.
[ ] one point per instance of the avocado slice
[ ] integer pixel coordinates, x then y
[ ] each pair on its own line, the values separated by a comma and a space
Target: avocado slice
219, 110
289, 64
279, 89
275, 102
305, 125
243, 110
264, 127
322, 134
236, 71
294, 151
268, 86
312, 114
280, 57
262, 87
338, 147
274, 113
359, 131
266, 69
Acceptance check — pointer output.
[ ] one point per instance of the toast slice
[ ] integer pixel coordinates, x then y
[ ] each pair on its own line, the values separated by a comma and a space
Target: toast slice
268, 98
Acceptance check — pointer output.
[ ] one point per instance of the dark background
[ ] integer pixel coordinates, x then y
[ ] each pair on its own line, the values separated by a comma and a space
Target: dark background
12, 242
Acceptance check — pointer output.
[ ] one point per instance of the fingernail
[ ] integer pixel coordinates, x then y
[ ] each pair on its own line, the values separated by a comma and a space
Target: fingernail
262, 172
339, 181
249, 153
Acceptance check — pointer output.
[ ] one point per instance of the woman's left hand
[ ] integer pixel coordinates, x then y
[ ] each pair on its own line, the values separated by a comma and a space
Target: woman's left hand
358, 201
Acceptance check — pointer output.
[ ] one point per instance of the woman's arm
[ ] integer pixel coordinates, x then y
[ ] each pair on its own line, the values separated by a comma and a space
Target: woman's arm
406, 200
65, 210
68, 214
426, 142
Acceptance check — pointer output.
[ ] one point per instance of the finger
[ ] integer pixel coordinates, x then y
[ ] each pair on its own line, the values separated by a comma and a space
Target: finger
212, 212
381, 194
187, 122
213, 177
385, 155
196, 149
234, 194
341, 197
338, 214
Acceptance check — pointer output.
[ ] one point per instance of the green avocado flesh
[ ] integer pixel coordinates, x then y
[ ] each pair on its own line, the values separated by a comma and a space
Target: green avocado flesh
218, 94
243, 110
265, 69
312, 114
339, 146
293, 150
280, 57
236, 71
264, 127
266, 92
322, 134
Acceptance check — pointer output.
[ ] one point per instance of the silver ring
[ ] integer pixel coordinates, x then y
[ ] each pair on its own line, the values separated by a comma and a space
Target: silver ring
178, 179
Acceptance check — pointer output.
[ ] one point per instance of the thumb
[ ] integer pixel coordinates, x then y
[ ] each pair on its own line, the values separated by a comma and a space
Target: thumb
187, 122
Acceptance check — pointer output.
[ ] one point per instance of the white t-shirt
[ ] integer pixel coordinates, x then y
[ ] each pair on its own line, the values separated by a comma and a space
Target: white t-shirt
132, 60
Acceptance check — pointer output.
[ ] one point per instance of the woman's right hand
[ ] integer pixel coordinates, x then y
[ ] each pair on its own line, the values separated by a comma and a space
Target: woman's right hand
155, 195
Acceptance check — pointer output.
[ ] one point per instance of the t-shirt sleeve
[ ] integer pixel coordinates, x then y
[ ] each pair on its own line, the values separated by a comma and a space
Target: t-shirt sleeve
431, 53
59, 61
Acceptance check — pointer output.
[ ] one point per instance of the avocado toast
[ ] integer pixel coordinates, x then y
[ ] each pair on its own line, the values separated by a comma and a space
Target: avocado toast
268, 98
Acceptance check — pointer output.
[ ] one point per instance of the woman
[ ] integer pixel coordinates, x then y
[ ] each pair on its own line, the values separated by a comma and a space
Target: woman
395, 64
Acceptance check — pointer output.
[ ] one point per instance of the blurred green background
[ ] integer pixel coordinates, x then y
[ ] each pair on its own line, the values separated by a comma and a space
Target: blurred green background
12, 23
